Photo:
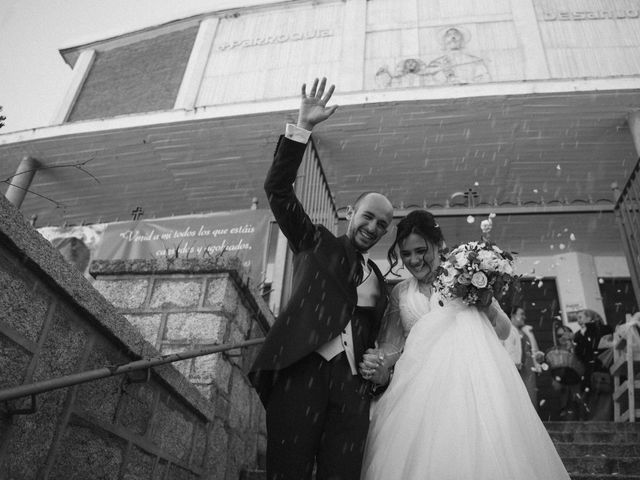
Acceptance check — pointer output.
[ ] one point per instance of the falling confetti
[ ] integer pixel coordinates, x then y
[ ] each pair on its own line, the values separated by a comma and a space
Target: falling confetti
471, 219
535, 190
572, 237
558, 167
562, 246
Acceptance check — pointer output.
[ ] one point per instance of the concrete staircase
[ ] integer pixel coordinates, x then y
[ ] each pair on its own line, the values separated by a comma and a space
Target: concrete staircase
598, 450
589, 450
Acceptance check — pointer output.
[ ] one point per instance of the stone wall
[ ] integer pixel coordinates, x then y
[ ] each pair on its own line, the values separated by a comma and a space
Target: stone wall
184, 304
53, 323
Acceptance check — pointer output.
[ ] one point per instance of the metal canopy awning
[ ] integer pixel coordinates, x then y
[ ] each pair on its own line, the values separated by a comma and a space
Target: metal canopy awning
519, 150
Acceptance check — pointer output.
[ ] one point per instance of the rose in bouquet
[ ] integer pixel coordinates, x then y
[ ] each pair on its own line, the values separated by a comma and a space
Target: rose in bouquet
475, 272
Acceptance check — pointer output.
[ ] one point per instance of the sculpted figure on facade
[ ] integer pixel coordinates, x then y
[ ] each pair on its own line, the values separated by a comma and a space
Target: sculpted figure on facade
455, 67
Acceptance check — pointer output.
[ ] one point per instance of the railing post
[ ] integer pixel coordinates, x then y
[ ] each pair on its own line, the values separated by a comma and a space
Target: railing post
634, 127
627, 211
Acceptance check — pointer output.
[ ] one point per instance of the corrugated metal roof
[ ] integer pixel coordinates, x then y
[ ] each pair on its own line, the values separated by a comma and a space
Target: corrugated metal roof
528, 149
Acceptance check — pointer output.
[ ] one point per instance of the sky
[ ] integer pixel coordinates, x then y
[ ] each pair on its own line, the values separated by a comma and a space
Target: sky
33, 75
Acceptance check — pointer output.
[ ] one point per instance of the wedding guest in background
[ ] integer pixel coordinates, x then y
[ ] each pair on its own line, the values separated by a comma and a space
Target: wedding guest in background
566, 380
513, 345
523, 349
597, 383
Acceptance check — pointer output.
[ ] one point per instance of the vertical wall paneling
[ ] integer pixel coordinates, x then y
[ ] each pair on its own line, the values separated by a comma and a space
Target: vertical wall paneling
80, 71
267, 54
197, 62
353, 45
590, 38
535, 60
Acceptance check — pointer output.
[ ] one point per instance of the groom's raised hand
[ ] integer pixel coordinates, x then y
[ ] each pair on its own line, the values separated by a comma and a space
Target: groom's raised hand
313, 107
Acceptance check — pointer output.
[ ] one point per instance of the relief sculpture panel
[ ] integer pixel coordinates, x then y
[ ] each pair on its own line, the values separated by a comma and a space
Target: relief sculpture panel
455, 67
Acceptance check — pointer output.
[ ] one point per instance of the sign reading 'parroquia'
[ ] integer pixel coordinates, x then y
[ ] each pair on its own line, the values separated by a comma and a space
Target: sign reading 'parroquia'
278, 38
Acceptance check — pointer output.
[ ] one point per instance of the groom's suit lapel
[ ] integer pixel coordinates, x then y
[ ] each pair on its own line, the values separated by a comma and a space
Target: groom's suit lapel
352, 258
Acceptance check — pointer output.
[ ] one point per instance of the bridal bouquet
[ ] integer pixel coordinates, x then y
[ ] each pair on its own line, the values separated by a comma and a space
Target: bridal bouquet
475, 272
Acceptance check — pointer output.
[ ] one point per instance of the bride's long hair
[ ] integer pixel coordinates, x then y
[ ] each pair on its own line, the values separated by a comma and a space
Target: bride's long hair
421, 223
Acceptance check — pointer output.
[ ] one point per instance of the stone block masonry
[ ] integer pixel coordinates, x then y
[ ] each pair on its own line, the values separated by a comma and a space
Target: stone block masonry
184, 304
205, 424
187, 304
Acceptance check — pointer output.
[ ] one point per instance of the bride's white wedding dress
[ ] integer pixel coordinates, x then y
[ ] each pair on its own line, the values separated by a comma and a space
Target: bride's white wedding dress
456, 408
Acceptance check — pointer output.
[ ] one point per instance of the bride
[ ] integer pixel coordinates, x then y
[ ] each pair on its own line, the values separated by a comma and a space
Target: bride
455, 407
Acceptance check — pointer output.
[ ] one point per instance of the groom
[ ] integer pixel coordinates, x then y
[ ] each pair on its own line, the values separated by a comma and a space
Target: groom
317, 406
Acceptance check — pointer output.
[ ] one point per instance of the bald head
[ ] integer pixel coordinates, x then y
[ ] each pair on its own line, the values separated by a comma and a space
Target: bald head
369, 220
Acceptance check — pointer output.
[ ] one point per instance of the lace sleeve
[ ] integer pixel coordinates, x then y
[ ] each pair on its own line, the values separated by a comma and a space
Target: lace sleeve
391, 337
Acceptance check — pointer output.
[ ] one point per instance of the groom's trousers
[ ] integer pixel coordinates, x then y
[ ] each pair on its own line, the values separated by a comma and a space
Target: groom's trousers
318, 412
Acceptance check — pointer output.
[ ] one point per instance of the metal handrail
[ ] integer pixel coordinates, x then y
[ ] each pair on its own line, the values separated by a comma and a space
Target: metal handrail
110, 371
627, 211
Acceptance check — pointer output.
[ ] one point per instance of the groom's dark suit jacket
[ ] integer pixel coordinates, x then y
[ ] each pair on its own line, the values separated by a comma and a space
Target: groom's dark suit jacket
323, 298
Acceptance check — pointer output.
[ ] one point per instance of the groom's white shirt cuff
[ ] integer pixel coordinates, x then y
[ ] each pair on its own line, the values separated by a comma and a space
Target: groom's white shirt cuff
297, 134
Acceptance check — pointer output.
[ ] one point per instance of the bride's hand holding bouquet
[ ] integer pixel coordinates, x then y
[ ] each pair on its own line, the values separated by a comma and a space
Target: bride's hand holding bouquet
475, 272
479, 274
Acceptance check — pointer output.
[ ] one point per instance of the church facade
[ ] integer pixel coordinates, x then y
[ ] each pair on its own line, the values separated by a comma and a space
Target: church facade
526, 109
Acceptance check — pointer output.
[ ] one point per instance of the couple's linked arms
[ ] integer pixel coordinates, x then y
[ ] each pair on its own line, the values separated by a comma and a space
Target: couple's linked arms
377, 363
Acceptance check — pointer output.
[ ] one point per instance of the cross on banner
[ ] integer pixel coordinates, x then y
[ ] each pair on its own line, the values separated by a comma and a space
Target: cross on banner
137, 213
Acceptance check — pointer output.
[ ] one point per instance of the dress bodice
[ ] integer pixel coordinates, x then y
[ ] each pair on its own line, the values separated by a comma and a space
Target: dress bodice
414, 301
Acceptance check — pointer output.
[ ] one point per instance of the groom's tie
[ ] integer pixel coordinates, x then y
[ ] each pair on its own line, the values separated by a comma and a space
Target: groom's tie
359, 269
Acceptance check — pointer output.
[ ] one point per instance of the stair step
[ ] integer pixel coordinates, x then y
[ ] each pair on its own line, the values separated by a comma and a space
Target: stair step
253, 475
598, 476
600, 465
262, 475
598, 449
592, 427
595, 437
589, 450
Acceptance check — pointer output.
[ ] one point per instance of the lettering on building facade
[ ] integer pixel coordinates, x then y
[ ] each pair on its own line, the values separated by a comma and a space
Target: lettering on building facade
564, 15
280, 38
